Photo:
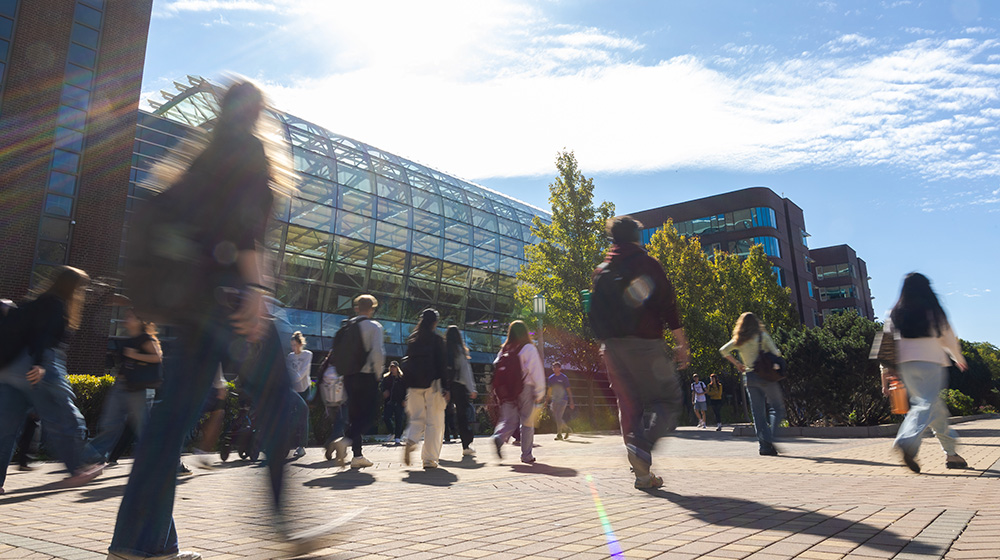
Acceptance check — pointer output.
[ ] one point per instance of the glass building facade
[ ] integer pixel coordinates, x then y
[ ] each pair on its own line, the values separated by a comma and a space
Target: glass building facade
368, 221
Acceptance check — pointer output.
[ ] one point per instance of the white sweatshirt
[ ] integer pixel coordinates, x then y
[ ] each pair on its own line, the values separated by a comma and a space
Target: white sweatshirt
934, 349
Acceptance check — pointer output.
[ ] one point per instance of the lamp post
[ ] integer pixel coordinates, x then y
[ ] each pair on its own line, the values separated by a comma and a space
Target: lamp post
538, 303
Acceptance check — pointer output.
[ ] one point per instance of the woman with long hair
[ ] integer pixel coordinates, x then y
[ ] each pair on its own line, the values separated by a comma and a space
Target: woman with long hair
37, 377
234, 178
767, 403
463, 386
427, 390
925, 346
299, 367
520, 411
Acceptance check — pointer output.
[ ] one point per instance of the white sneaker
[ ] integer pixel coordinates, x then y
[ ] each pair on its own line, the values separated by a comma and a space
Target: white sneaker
360, 462
468, 452
300, 452
430, 464
340, 446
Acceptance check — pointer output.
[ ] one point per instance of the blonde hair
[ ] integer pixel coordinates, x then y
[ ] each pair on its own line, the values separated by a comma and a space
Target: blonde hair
365, 302
517, 333
747, 327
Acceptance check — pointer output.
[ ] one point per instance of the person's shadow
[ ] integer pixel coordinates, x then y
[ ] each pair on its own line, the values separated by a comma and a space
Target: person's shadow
343, 480
746, 514
467, 462
542, 468
431, 477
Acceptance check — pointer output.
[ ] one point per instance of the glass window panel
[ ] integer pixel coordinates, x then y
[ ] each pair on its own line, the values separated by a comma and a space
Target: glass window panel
480, 202
67, 139
281, 208
426, 222
392, 331
355, 226
350, 156
486, 260
393, 213
701, 226
426, 201
6, 25
389, 260
305, 268
354, 178
481, 300
340, 302
312, 163
84, 35
353, 252
393, 190
53, 228
457, 211
484, 220
764, 217
504, 306
96, 4
307, 241
318, 190
75, 97
393, 236
274, 235
307, 322
311, 215
450, 314
293, 293
88, 16
308, 141
485, 280
427, 245
62, 183
58, 205
486, 240
511, 247
504, 211
457, 252
390, 309
350, 277
455, 274
81, 55
387, 169
385, 283
455, 231
506, 284
425, 268
510, 265
51, 252
422, 182
453, 193
71, 118
357, 202
421, 290
742, 219
510, 228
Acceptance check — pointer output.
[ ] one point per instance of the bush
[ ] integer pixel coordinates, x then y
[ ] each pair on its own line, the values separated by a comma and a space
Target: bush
959, 404
90, 391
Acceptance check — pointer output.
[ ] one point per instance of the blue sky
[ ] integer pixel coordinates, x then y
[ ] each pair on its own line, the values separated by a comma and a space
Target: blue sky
879, 119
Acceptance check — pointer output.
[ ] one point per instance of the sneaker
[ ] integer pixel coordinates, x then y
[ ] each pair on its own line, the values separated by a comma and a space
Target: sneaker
340, 445
360, 462
183, 555
299, 452
316, 537
528, 460
955, 462
183, 470
497, 444
468, 452
330, 448
430, 464
396, 442
558, 437
111, 463
910, 460
407, 450
516, 443
648, 481
82, 476
768, 449
26, 468
718, 428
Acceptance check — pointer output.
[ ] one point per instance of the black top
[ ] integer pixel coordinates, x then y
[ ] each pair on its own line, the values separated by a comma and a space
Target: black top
45, 326
396, 387
425, 362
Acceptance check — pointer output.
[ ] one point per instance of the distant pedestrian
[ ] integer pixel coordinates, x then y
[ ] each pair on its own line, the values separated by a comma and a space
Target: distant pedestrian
767, 403
519, 382
334, 396
925, 346
427, 390
299, 368
699, 399
632, 301
393, 401
714, 393
560, 396
463, 386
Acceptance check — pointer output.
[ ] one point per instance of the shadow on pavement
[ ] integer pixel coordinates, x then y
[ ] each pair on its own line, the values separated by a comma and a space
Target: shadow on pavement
976, 432
466, 463
842, 461
576, 441
542, 468
431, 477
100, 493
736, 512
343, 480
324, 464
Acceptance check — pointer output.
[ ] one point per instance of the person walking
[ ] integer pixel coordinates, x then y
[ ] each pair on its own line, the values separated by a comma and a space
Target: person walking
925, 345
393, 399
463, 386
632, 301
714, 393
427, 390
299, 367
36, 377
767, 403
334, 396
560, 396
520, 357
699, 400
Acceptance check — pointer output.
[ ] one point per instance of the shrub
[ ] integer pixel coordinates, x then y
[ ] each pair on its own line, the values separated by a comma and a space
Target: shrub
987, 409
959, 404
90, 391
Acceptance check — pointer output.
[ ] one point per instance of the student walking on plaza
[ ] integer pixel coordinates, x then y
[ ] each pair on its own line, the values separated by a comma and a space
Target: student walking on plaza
767, 403
334, 396
714, 393
925, 346
463, 385
560, 396
393, 401
632, 301
36, 375
518, 365
427, 390
299, 367
699, 400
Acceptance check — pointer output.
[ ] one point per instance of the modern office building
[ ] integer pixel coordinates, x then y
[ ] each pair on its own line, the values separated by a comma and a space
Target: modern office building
736, 221
841, 281
70, 77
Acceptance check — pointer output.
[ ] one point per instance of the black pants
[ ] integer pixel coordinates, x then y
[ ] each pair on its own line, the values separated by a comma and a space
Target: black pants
460, 398
362, 405
716, 405
394, 416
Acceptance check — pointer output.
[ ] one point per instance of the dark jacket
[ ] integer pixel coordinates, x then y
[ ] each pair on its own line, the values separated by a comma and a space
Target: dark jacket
425, 362
45, 326
660, 308
396, 387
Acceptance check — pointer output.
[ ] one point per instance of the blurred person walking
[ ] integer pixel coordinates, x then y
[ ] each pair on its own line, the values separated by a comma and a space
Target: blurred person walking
767, 403
334, 396
519, 385
463, 386
393, 401
299, 367
38, 337
427, 390
560, 396
714, 393
632, 300
925, 345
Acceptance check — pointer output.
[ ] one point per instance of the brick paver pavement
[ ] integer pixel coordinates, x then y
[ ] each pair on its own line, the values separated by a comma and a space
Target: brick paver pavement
823, 499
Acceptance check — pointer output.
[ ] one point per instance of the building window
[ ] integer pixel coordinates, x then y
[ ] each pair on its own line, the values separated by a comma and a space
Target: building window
824, 272
826, 293
809, 286
7, 13
804, 236
809, 265
742, 247
779, 275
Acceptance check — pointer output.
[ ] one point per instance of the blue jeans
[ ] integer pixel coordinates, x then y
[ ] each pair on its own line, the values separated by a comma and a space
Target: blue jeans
145, 524
52, 398
767, 405
338, 421
120, 406
924, 381
514, 414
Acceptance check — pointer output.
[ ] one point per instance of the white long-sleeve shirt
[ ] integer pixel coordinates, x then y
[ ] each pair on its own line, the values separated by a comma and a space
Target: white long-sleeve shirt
531, 369
934, 349
371, 337
299, 366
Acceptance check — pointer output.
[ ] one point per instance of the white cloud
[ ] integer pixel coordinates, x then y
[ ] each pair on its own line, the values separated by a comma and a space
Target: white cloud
178, 6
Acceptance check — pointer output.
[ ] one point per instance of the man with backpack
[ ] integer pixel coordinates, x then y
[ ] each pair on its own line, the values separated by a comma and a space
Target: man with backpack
359, 357
631, 302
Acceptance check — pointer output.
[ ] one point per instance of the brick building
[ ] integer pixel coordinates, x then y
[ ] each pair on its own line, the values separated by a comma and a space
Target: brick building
841, 281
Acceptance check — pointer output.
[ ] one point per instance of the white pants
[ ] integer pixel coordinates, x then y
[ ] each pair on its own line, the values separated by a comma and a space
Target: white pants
425, 407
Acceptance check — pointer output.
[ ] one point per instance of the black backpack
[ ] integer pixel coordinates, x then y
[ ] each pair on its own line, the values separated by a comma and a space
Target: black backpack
349, 353
11, 332
612, 315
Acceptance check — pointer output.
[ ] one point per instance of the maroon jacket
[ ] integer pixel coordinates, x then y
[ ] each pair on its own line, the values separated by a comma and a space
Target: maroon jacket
660, 307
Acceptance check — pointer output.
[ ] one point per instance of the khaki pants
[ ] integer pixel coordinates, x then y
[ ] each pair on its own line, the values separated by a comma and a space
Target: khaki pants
425, 408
